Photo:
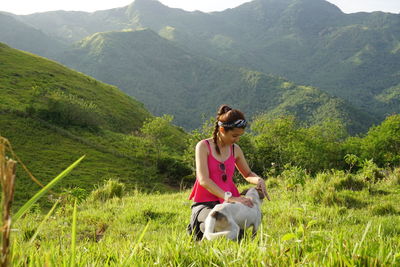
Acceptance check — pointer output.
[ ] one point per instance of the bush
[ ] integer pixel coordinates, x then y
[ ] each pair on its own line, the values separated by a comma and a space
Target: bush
349, 182
294, 176
110, 189
174, 169
272, 182
69, 110
69, 195
370, 172
382, 142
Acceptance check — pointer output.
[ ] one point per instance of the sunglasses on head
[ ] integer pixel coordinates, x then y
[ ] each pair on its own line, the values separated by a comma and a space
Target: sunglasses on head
222, 168
237, 124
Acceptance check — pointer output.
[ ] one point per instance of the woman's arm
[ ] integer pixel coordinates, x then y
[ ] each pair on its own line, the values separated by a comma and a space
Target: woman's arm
244, 169
204, 177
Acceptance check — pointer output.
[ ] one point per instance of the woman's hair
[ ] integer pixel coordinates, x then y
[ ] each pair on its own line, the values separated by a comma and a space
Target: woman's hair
229, 119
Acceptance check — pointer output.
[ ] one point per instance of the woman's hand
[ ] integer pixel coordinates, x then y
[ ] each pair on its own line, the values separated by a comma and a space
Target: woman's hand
244, 200
261, 185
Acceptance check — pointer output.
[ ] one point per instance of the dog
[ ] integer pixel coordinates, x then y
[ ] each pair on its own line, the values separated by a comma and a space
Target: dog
227, 219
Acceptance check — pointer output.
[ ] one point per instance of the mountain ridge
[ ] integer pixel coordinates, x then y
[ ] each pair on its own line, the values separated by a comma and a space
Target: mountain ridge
311, 42
167, 79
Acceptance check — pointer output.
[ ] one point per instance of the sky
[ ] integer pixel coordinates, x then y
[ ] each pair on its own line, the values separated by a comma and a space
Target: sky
22, 7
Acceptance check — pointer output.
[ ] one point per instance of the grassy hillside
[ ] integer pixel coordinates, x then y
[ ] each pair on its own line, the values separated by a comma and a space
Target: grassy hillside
168, 79
323, 223
26, 78
47, 145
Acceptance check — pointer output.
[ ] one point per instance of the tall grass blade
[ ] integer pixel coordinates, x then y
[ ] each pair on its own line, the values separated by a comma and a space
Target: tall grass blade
362, 238
73, 236
138, 242
44, 190
142, 234
44, 220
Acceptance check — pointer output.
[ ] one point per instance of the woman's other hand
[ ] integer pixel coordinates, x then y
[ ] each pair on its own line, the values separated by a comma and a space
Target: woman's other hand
244, 200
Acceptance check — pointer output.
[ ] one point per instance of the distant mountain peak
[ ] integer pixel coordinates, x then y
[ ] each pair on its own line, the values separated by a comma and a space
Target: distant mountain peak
147, 4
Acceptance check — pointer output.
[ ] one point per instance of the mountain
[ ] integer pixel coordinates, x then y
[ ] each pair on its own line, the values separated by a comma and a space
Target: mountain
33, 90
22, 36
310, 42
168, 79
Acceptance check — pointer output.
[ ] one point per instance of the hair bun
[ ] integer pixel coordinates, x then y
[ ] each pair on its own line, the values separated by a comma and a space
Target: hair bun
223, 109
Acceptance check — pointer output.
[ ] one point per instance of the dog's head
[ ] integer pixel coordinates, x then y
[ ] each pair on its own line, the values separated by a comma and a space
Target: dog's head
258, 189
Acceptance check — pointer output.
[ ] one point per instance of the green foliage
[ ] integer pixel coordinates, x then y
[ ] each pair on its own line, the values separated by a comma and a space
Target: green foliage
370, 172
110, 189
351, 160
69, 195
68, 110
203, 132
174, 169
164, 136
184, 76
382, 142
282, 141
294, 176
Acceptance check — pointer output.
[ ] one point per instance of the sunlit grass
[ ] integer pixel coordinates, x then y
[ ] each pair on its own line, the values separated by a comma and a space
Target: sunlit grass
150, 229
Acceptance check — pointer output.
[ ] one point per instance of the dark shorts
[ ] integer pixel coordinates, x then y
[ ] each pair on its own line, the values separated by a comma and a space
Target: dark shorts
200, 211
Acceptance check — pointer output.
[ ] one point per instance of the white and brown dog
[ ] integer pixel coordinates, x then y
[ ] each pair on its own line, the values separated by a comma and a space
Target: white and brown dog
227, 219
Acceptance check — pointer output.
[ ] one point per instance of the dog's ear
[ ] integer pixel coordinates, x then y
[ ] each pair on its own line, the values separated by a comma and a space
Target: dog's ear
260, 192
244, 192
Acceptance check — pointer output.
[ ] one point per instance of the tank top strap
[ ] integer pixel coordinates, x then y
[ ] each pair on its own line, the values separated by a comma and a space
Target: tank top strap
233, 150
208, 144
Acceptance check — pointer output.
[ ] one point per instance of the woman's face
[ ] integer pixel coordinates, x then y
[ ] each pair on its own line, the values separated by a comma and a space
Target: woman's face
232, 136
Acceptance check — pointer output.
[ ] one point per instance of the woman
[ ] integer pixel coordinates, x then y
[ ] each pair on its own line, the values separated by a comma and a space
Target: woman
216, 159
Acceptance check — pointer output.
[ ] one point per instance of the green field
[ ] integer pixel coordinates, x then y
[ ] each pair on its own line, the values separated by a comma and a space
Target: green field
326, 222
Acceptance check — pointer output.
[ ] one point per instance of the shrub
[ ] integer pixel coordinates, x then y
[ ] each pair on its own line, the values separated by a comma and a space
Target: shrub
370, 172
69, 195
110, 189
349, 182
294, 176
69, 110
174, 169
272, 182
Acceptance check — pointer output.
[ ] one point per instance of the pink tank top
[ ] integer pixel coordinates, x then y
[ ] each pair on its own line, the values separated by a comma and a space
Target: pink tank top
200, 194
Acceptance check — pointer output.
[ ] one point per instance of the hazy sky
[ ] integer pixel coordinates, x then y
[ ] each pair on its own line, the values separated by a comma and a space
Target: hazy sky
31, 6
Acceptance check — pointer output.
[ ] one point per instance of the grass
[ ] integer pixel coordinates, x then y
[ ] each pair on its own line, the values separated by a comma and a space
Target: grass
114, 148
46, 152
21, 72
150, 229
